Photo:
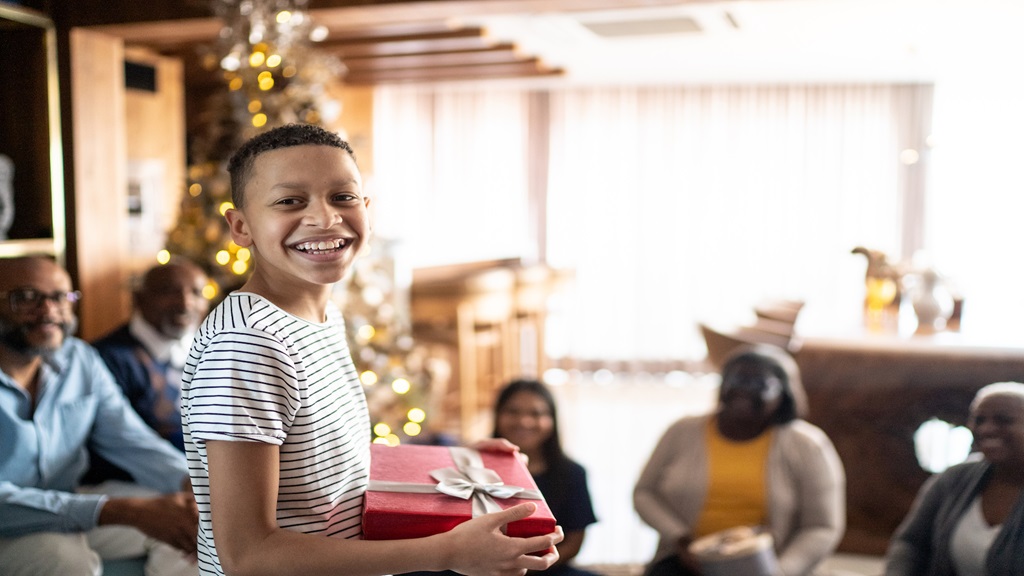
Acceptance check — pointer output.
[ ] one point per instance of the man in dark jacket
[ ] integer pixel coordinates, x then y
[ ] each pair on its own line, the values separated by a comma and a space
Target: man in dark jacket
146, 354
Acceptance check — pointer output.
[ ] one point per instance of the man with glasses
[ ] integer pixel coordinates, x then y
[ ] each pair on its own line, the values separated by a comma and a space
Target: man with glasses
56, 399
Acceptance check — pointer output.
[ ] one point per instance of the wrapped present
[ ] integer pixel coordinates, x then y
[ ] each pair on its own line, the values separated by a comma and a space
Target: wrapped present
741, 550
418, 491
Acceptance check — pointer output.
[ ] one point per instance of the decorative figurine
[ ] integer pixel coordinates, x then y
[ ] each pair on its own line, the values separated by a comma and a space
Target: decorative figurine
883, 291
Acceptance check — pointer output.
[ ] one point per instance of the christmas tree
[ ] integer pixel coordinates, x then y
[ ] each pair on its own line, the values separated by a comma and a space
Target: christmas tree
397, 374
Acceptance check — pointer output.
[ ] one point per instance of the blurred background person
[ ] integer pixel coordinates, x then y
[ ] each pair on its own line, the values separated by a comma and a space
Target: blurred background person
56, 398
969, 519
525, 414
753, 462
146, 355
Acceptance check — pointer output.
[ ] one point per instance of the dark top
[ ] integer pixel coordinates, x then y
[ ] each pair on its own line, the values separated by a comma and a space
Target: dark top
921, 544
570, 504
144, 382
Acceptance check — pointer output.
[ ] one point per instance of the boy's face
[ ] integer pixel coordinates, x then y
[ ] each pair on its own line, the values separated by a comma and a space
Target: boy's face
305, 216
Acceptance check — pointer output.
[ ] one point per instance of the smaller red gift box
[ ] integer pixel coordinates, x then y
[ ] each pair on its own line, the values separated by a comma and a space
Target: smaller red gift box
391, 515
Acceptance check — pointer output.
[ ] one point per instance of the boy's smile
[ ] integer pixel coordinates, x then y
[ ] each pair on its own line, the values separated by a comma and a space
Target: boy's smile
305, 217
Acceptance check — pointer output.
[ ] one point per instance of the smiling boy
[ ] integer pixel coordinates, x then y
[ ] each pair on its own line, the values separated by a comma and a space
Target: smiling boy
276, 424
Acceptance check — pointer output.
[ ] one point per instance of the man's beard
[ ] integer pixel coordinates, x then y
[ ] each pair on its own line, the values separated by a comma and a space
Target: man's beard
15, 337
173, 331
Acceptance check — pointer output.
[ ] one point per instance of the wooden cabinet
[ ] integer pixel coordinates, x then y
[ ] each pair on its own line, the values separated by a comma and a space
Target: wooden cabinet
487, 321
32, 174
871, 393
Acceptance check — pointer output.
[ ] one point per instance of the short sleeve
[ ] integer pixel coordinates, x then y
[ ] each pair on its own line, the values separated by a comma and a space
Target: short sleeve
245, 387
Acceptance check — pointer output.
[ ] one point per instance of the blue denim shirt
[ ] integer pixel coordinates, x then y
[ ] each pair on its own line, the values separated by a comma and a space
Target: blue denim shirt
43, 455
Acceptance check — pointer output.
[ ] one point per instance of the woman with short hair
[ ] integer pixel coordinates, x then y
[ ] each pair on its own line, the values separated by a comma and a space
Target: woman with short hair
969, 519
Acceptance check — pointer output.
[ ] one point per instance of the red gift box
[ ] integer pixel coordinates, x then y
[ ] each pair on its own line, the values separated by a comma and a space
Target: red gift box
390, 515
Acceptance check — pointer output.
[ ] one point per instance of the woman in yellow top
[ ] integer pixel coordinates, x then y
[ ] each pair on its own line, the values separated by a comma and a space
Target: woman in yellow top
752, 462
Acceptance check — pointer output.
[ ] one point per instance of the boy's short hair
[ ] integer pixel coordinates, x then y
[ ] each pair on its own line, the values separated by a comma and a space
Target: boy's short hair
240, 164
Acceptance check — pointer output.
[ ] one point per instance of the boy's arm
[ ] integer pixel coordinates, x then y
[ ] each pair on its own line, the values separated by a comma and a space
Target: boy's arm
243, 496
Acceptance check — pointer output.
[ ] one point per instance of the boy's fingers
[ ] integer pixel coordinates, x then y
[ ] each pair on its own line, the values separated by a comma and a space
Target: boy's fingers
545, 543
517, 512
496, 445
532, 544
544, 562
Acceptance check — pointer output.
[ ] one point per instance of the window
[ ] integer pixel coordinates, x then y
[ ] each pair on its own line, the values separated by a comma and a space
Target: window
672, 205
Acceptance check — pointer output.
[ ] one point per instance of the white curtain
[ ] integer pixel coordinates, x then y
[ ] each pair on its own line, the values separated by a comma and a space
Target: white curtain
450, 173
676, 205
976, 193
672, 205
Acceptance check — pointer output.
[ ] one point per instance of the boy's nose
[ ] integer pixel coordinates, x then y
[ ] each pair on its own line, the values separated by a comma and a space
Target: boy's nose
323, 214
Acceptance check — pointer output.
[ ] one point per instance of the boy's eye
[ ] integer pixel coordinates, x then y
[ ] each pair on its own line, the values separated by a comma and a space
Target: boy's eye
345, 197
287, 201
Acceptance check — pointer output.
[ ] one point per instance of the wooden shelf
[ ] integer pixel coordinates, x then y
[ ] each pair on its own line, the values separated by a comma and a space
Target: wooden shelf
14, 248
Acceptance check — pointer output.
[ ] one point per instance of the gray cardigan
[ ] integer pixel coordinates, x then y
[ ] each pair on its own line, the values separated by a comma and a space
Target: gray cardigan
806, 491
920, 545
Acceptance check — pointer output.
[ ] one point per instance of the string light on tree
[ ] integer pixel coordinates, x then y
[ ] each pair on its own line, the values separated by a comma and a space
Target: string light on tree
396, 374
264, 54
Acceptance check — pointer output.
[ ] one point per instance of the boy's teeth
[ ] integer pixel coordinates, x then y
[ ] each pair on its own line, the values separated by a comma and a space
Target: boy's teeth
321, 245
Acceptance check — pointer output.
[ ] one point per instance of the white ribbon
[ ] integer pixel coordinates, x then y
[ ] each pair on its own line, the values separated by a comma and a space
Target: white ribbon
469, 479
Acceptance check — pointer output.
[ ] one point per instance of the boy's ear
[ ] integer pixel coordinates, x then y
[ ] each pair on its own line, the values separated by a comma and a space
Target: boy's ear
366, 204
239, 227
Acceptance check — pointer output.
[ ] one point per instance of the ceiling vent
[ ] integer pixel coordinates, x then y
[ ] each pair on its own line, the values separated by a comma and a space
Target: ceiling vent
649, 27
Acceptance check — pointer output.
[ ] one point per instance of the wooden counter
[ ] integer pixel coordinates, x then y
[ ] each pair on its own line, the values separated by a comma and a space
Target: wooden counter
871, 392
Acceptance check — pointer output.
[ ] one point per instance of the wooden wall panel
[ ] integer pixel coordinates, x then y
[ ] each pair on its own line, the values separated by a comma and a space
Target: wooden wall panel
97, 93
357, 121
155, 123
114, 127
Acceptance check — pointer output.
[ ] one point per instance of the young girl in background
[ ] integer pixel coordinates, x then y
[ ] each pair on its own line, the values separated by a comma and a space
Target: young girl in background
525, 414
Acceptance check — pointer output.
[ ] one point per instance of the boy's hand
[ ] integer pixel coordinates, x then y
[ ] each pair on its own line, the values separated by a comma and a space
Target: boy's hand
479, 547
501, 445
495, 445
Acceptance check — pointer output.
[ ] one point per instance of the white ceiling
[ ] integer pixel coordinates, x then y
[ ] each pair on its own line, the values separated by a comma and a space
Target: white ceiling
778, 40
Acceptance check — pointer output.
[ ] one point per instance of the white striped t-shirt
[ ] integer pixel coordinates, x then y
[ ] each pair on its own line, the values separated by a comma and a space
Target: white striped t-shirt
258, 374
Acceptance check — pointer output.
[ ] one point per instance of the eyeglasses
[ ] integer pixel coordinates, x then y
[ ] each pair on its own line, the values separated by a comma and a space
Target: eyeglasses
25, 299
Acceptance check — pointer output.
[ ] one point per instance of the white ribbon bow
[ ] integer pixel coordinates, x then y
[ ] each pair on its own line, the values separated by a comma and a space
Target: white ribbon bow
471, 480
